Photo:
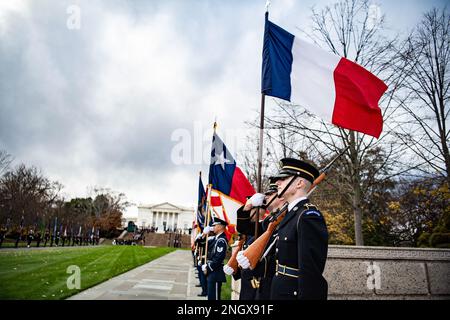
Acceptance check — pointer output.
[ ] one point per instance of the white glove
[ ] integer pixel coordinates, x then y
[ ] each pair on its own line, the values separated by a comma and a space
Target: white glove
199, 263
257, 199
204, 267
207, 230
198, 236
242, 260
228, 270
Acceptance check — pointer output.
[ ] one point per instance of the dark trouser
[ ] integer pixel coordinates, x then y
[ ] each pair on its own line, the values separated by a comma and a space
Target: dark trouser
202, 279
284, 288
214, 289
263, 292
247, 290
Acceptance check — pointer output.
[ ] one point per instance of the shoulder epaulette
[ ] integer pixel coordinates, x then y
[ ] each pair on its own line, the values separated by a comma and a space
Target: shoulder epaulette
311, 209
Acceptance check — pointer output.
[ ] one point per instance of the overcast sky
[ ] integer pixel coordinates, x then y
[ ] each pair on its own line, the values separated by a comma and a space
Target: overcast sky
105, 104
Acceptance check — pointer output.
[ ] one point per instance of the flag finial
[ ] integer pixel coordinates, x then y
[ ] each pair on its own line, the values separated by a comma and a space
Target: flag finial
267, 5
215, 125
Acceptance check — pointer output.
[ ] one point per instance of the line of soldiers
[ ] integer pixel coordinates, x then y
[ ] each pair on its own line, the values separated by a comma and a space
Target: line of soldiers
57, 239
210, 266
294, 258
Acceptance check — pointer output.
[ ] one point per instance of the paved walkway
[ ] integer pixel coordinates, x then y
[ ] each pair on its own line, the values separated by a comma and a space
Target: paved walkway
171, 277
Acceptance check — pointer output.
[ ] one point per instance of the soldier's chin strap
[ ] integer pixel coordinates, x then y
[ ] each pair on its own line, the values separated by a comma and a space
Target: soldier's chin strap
265, 206
276, 195
282, 191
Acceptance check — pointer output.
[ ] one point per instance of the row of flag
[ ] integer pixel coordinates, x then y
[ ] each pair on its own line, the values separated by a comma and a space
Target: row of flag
336, 89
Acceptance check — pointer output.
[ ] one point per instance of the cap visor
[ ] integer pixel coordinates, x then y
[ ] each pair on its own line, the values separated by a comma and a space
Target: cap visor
281, 176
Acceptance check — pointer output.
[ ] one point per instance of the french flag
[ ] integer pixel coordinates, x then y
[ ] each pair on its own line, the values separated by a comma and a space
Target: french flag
334, 88
229, 186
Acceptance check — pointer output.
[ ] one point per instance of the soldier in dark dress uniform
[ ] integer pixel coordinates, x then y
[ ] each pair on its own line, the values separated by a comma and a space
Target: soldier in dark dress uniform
258, 281
248, 287
38, 238
3, 231
214, 266
46, 237
301, 248
201, 245
30, 237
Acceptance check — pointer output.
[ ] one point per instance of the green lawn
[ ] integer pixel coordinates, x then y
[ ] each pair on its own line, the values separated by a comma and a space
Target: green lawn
42, 274
226, 287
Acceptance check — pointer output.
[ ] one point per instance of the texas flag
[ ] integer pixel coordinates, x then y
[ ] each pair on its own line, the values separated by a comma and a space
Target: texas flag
334, 88
229, 186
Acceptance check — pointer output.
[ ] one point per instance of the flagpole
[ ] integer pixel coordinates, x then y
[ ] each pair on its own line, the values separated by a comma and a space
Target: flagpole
260, 146
261, 125
208, 200
207, 220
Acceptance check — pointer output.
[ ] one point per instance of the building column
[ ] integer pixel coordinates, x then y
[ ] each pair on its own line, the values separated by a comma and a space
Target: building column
160, 220
150, 219
173, 221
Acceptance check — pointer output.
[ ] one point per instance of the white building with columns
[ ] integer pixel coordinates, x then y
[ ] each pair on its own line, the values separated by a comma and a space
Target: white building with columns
165, 216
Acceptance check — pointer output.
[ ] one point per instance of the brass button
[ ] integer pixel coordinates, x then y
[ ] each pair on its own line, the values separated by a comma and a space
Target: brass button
285, 238
295, 293
295, 208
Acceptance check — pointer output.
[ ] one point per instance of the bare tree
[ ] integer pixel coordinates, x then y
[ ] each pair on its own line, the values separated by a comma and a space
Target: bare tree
25, 192
5, 161
347, 29
423, 61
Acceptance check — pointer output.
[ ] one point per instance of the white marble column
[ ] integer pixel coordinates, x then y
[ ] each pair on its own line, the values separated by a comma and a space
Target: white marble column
150, 219
173, 221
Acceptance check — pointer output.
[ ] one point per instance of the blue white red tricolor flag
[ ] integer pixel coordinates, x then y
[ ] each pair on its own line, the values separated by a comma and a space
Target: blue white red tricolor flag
229, 186
334, 88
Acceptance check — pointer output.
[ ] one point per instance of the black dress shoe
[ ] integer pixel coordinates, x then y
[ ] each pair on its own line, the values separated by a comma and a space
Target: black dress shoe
198, 285
202, 295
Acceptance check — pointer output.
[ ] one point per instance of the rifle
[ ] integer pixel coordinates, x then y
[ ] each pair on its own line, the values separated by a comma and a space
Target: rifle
232, 263
255, 250
254, 253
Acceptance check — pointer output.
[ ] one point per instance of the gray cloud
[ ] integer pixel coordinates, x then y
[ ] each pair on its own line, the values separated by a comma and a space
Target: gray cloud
97, 106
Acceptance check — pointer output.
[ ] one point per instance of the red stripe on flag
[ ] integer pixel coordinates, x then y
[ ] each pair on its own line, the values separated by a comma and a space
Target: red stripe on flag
357, 94
231, 229
216, 201
241, 188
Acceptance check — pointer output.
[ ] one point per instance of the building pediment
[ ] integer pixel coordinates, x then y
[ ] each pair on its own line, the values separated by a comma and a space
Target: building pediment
165, 206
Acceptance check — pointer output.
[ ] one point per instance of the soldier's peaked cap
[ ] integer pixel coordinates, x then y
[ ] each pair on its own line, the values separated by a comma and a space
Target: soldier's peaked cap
272, 186
290, 167
219, 221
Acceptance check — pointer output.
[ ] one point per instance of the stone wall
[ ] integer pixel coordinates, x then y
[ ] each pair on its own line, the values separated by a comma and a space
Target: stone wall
384, 273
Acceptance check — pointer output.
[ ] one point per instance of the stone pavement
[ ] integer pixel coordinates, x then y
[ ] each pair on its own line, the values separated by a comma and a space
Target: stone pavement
171, 277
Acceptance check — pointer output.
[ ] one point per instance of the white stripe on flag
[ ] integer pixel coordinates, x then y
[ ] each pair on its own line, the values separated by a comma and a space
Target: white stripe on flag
312, 78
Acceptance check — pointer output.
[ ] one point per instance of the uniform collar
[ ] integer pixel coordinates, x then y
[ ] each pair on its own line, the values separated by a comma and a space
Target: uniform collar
293, 203
218, 235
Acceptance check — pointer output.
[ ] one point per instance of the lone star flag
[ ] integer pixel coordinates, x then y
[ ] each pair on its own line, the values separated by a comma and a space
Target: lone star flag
229, 186
334, 88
